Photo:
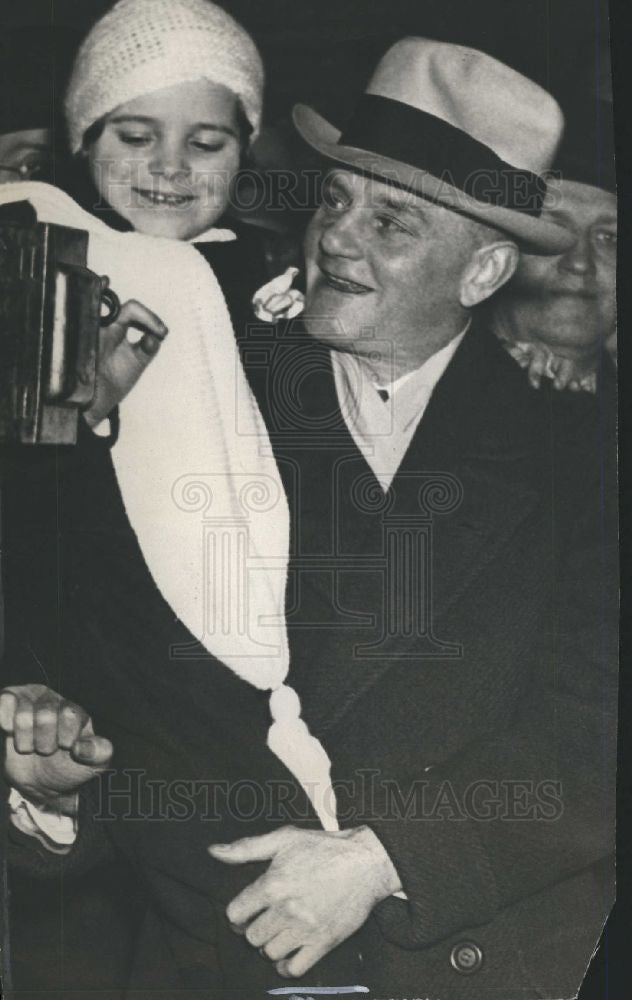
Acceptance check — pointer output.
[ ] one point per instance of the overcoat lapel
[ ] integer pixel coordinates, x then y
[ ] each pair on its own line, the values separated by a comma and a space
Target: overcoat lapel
466, 477
469, 467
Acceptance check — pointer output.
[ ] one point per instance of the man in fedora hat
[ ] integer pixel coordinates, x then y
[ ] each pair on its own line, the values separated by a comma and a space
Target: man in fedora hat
452, 614
450, 596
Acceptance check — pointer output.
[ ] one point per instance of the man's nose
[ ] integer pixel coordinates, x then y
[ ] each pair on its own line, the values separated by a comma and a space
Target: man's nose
168, 159
342, 236
579, 259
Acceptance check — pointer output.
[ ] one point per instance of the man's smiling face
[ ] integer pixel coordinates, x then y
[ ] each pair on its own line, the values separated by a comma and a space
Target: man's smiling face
383, 259
569, 301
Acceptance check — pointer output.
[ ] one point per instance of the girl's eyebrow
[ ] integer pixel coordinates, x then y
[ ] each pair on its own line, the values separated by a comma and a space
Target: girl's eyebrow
142, 119
212, 127
148, 120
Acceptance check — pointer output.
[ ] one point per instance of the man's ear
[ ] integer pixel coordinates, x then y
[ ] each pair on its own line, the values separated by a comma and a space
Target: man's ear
489, 269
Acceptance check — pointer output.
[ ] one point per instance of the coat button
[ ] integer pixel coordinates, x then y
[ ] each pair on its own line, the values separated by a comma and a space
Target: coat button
466, 957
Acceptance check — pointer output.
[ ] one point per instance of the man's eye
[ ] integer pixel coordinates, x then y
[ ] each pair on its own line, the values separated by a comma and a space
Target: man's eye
333, 199
606, 238
388, 224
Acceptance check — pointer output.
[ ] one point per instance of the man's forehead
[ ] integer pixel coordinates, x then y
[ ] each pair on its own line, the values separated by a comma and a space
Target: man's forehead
379, 191
583, 201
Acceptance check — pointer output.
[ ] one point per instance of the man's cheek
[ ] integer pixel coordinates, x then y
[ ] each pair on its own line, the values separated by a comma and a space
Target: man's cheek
608, 310
310, 242
533, 272
310, 248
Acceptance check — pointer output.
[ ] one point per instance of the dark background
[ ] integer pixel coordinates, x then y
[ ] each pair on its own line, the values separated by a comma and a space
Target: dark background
322, 52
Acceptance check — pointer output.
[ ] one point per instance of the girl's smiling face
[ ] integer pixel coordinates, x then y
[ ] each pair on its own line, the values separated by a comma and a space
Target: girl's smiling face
165, 161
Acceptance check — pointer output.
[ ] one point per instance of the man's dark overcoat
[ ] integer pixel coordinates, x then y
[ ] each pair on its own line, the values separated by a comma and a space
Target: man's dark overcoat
454, 646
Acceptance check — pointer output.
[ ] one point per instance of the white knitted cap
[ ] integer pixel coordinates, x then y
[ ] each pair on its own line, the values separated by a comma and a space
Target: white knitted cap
141, 46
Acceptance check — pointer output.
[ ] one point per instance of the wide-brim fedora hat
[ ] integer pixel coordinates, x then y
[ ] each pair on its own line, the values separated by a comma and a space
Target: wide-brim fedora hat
458, 127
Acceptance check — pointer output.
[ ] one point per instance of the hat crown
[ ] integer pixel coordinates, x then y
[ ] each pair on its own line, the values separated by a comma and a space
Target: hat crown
141, 46
476, 93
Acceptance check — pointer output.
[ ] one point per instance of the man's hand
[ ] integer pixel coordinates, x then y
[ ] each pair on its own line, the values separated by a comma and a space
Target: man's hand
51, 746
121, 362
319, 889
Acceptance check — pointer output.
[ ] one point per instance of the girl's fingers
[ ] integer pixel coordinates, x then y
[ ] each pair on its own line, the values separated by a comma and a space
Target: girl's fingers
135, 314
148, 345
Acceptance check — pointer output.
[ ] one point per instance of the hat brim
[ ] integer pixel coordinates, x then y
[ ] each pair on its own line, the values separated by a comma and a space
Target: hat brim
533, 235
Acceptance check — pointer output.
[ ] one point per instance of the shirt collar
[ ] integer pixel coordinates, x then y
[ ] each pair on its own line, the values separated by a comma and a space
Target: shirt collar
408, 395
432, 369
382, 429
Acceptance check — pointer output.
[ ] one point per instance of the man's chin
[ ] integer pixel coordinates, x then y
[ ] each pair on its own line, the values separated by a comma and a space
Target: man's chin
575, 334
333, 317
570, 321
330, 330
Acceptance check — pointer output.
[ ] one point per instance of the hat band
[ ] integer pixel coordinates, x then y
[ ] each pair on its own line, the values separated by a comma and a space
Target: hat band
390, 128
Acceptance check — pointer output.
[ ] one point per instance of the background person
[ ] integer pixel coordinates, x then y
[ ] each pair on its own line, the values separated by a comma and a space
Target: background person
32, 63
558, 314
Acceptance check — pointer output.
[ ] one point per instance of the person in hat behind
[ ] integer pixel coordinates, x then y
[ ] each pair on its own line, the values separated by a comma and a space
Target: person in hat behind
466, 704
557, 316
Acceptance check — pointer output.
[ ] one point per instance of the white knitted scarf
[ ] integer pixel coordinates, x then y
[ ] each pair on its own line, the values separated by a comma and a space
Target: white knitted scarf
198, 479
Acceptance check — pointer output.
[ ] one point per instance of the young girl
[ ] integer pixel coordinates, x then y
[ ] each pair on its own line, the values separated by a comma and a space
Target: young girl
163, 103
158, 601
162, 107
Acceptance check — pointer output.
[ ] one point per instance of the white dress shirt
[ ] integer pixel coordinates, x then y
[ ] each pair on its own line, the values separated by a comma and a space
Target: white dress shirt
383, 429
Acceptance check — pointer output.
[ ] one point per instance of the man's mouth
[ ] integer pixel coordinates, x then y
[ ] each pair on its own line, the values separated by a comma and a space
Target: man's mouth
344, 284
162, 199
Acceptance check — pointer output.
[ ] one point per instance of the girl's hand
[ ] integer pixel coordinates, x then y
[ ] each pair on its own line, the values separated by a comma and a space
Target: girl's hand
123, 359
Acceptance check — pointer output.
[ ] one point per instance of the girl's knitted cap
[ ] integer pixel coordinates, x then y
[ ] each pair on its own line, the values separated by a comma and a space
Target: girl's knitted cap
141, 46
